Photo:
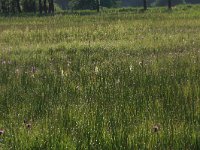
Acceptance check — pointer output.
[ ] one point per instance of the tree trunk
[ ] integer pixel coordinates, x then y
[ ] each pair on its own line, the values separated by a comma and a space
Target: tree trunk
12, 6
51, 6
169, 4
40, 6
34, 6
145, 4
4, 7
49, 10
45, 6
98, 5
18, 6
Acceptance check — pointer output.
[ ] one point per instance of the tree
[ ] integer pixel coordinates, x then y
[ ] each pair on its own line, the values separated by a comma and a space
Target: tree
18, 6
166, 2
145, 4
10, 6
92, 4
51, 6
45, 6
169, 4
193, 1
29, 5
40, 6
97, 5
62, 3
5, 6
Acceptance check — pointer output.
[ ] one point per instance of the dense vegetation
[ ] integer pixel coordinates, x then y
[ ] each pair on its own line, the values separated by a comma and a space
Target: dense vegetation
47, 6
120, 79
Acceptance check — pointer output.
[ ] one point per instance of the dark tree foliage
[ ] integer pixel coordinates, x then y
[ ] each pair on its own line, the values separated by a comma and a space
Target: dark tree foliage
145, 4
29, 6
93, 4
3, 6
85, 4
18, 6
169, 4
192, 1
136, 3
97, 5
64, 4
40, 6
10, 6
45, 6
166, 2
108, 3
51, 6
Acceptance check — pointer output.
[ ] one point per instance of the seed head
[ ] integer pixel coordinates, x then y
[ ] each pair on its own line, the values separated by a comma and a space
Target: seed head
28, 126
156, 128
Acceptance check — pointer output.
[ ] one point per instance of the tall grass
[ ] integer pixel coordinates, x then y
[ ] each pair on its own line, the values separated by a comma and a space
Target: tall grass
115, 80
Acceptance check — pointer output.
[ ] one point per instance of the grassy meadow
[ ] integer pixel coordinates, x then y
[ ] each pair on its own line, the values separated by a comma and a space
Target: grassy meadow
120, 79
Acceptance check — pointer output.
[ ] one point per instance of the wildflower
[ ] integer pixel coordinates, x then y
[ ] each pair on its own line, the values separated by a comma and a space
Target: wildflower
69, 63
118, 81
33, 76
63, 73
17, 71
1, 132
9, 62
131, 68
141, 63
96, 70
3, 62
78, 87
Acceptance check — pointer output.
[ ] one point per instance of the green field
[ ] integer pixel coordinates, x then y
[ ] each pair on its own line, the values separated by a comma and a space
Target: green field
120, 79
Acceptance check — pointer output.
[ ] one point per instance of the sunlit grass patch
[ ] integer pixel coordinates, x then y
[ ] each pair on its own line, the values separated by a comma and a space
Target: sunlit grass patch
109, 81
